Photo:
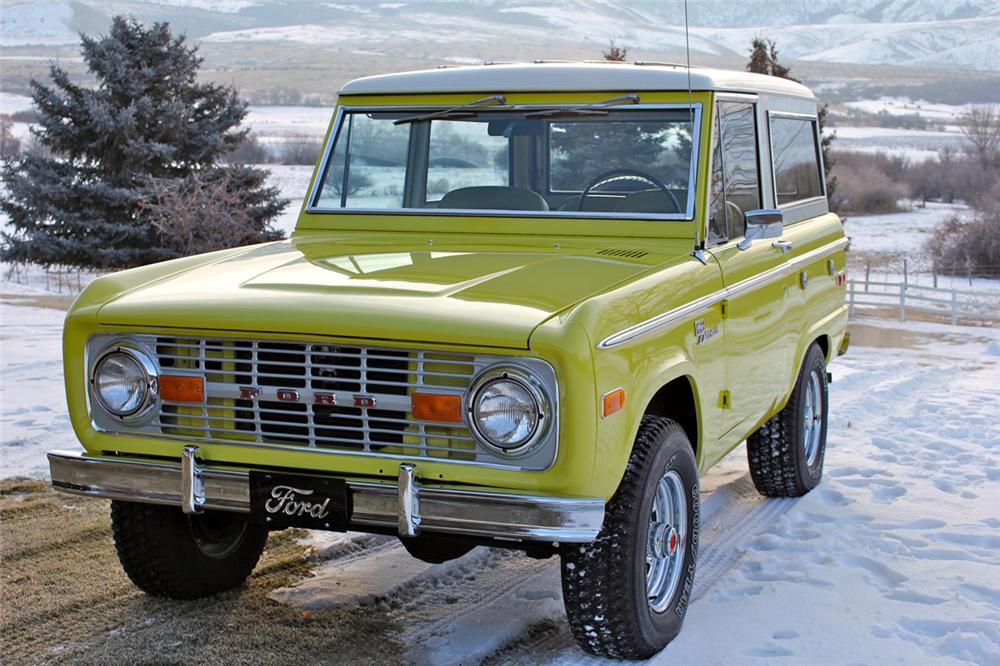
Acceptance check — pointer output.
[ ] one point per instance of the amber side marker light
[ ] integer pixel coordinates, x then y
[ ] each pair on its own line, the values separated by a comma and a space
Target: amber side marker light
182, 389
437, 407
614, 401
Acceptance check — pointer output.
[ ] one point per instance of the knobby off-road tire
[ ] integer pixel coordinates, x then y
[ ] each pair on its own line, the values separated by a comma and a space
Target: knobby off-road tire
169, 554
605, 582
786, 453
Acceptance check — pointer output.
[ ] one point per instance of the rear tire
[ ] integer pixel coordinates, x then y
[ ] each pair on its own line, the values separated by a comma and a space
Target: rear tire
786, 453
627, 592
167, 553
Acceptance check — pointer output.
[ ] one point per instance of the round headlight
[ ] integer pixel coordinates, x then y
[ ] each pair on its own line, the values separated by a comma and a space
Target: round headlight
125, 381
508, 410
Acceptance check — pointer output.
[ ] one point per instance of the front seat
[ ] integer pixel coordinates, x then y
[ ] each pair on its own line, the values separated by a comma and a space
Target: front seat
647, 201
493, 197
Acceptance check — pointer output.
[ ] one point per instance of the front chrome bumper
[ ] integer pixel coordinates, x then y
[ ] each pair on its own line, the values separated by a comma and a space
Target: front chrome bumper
405, 506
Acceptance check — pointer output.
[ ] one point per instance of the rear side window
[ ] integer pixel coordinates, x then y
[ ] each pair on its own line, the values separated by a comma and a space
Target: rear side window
795, 151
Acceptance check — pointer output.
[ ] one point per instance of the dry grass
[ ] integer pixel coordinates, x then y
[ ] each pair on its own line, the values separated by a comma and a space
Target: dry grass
64, 598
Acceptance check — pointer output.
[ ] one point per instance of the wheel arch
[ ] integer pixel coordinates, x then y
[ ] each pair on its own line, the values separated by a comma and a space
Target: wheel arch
678, 400
818, 334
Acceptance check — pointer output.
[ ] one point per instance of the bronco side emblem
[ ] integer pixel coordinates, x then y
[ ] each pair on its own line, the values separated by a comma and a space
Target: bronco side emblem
704, 334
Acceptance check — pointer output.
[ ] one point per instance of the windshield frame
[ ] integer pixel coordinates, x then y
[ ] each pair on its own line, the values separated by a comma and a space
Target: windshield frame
688, 215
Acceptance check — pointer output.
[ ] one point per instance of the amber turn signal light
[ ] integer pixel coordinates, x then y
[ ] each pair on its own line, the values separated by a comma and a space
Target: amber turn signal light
614, 401
437, 407
182, 389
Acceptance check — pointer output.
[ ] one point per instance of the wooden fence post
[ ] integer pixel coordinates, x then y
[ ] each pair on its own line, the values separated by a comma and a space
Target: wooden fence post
868, 270
850, 307
902, 302
954, 307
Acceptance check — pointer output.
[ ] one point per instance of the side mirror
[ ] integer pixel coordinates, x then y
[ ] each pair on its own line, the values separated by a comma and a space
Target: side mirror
763, 223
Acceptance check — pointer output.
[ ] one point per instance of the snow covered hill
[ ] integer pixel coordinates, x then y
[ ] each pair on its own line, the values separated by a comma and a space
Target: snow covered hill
949, 33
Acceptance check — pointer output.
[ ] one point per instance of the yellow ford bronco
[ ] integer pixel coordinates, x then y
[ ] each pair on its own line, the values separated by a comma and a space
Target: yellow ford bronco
524, 306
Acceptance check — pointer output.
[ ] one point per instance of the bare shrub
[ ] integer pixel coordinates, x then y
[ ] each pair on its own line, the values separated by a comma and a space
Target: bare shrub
25, 116
356, 181
950, 177
200, 213
438, 186
870, 183
981, 127
251, 151
615, 53
300, 150
970, 245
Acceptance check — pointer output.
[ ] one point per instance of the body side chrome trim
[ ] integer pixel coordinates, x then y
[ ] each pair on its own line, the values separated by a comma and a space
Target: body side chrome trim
670, 316
488, 513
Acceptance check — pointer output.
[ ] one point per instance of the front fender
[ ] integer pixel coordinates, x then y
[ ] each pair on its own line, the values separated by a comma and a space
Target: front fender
616, 434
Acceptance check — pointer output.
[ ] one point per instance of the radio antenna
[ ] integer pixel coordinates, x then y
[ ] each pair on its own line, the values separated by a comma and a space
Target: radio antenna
698, 254
687, 53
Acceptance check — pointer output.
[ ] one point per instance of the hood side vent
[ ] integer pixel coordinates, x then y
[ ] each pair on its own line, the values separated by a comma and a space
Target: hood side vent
623, 253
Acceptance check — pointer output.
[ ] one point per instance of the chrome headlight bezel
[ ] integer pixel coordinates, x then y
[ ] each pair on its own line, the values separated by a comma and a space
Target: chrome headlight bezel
532, 385
147, 366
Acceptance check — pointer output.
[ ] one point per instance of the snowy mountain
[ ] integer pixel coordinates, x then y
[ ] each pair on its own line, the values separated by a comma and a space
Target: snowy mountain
923, 33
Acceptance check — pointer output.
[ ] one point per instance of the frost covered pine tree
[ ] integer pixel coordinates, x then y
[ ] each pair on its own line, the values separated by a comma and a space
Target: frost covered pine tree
147, 121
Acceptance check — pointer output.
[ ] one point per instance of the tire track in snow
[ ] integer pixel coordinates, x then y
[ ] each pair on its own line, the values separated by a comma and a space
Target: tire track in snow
467, 610
732, 515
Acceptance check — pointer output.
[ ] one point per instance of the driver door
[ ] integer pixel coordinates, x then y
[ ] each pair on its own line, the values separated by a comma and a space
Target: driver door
755, 325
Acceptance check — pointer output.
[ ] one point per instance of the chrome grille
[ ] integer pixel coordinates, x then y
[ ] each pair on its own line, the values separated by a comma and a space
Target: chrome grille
321, 395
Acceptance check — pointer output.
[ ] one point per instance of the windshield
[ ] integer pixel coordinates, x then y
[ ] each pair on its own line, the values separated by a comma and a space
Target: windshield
633, 162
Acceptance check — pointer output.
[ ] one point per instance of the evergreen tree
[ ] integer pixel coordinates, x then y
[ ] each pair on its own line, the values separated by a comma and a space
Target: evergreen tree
146, 120
764, 60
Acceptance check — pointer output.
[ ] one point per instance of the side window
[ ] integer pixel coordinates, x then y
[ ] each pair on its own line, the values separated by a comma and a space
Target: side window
735, 172
717, 209
796, 159
373, 175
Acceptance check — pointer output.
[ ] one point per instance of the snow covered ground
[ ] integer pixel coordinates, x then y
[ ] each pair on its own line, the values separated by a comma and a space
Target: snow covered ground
904, 106
289, 121
33, 415
916, 145
895, 558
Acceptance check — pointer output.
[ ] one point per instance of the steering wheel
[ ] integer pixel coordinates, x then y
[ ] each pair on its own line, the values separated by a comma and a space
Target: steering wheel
628, 174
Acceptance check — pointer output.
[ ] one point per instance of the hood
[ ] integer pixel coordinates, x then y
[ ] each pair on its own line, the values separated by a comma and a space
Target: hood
461, 292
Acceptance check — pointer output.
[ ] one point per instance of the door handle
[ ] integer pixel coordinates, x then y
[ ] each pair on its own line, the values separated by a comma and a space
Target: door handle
784, 246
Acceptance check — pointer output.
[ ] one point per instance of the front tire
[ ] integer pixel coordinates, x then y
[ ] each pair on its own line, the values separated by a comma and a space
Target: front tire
627, 592
786, 453
167, 553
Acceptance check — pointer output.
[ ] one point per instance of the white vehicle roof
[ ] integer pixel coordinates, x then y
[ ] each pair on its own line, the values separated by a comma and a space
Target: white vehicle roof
571, 77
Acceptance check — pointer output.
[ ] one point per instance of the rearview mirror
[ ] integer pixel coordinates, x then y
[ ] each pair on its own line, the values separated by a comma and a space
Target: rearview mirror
762, 223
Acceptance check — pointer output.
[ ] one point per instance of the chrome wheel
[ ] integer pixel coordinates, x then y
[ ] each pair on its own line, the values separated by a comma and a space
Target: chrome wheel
666, 541
812, 417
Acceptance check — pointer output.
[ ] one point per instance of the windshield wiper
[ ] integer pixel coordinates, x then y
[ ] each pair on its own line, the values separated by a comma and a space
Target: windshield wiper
462, 110
593, 109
